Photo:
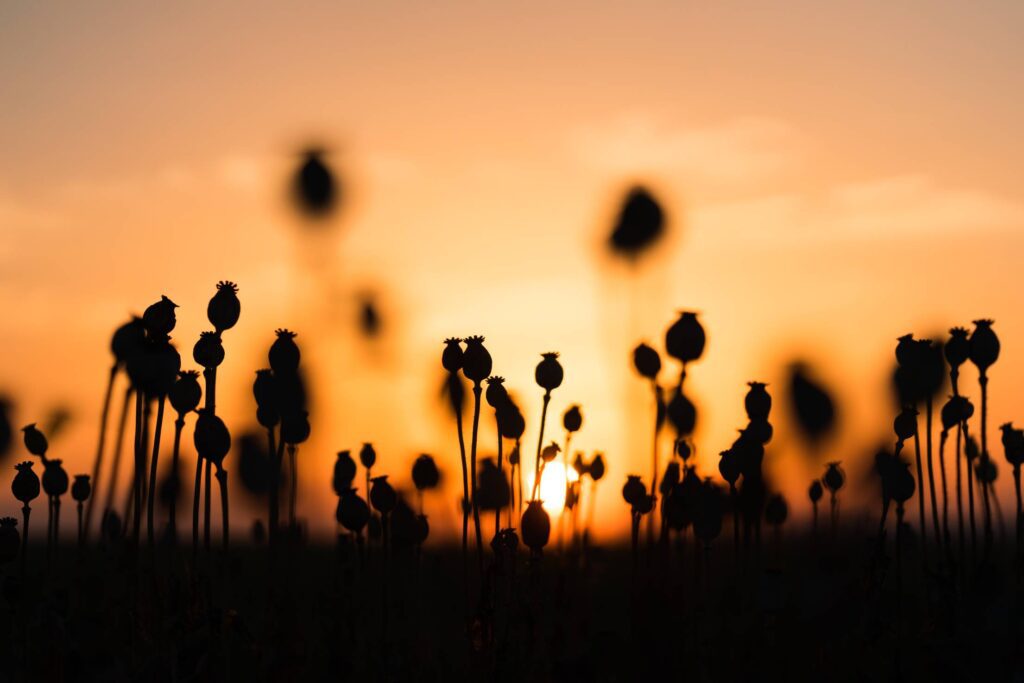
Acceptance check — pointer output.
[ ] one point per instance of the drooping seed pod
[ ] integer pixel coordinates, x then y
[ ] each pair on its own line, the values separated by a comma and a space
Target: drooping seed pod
549, 373
81, 489
815, 491
295, 428
984, 345
425, 475
496, 394
536, 526
685, 339
550, 452
160, 318
185, 393
35, 440
596, 467
905, 424
451, 357
224, 308
382, 495
633, 490
758, 402
25, 486
55, 478
10, 539
284, 353
212, 438
367, 455
572, 420
646, 361
834, 477
352, 513
476, 361
209, 350
344, 473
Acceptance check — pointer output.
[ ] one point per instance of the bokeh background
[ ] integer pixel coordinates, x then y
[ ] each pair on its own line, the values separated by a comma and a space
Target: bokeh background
834, 175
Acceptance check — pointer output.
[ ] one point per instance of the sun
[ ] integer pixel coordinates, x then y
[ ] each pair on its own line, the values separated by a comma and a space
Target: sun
552, 486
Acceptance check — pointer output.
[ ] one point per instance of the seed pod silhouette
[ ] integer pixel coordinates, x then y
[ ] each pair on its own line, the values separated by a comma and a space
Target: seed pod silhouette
6, 430
905, 424
352, 513
776, 511
224, 308
954, 411
212, 438
639, 225
314, 187
729, 466
185, 393
760, 430
903, 485
707, 521
815, 491
496, 394
209, 350
536, 526
550, 452
451, 356
957, 348
382, 495
254, 463
633, 490
579, 465
295, 428
685, 339
683, 449
476, 361
1013, 444
549, 373
834, 477
572, 420
160, 318
81, 489
757, 402
811, 403
511, 421
682, 413
344, 473
284, 353
10, 539
404, 525
264, 389
669, 479
35, 441
425, 474
55, 478
25, 485
646, 361
596, 467
128, 340
493, 487
367, 455
984, 345
986, 470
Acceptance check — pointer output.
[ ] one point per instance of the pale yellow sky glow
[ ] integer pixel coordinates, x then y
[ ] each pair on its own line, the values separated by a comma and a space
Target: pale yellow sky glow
836, 175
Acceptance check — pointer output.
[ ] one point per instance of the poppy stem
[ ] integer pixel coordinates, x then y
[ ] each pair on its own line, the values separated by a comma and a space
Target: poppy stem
946, 538
222, 479
139, 467
206, 504
56, 524
197, 493
961, 536
931, 476
983, 381
275, 484
26, 512
969, 466
923, 519
115, 466
97, 463
465, 491
540, 443
81, 528
1017, 528
497, 510
293, 463
476, 506
654, 459
172, 522
151, 496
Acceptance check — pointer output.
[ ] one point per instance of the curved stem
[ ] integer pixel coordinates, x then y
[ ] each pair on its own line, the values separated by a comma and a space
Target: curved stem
931, 477
151, 496
115, 466
476, 506
197, 493
206, 505
923, 519
294, 464
540, 443
172, 523
97, 463
26, 512
222, 479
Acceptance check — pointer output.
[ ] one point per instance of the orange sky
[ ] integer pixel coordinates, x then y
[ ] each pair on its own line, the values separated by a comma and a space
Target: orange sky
836, 176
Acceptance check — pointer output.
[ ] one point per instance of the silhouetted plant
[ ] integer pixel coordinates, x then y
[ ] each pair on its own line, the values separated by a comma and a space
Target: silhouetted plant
25, 487
685, 340
314, 188
10, 539
55, 485
452, 359
476, 366
185, 395
549, 375
1013, 449
295, 430
212, 441
984, 352
536, 526
815, 492
834, 479
81, 490
425, 476
344, 473
639, 225
812, 405
596, 471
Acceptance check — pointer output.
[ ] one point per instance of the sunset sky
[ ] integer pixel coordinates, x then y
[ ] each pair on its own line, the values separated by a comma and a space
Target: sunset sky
835, 175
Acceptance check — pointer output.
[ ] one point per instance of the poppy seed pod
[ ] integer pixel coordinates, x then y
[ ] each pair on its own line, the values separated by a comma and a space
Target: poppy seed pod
160, 318
761, 430
729, 466
971, 449
596, 467
212, 438
128, 339
55, 478
685, 339
344, 473
315, 188
776, 511
984, 345
960, 410
902, 483
579, 465
496, 394
493, 490
986, 470
646, 361
264, 388
367, 455
513, 456
511, 421
815, 492
957, 348
224, 308
834, 477
669, 479
10, 539
81, 489
451, 357
550, 452
25, 486
1013, 444
905, 350
186, 393
284, 353
905, 424
682, 413
633, 490
683, 449
644, 504
640, 223
536, 526
382, 495
35, 441
572, 420
352, 513
425, 474
476, 361
208, 351
549, 373
758, 402
295, 428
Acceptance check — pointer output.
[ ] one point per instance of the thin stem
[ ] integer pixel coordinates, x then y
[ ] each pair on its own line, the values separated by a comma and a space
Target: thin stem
1017, 527
920, 499
540, 443
151, 497
497, 510
969, 466
931, 475
222, 479
961, 536
206, 504
172, 523
293, 463
943, 436
97, 464
140, 465
465, 491
476, 506
983, 381
26, 512
116, 464
81, 528
197, 493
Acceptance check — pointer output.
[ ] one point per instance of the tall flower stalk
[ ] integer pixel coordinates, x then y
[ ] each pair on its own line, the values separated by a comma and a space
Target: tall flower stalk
549, 375
451, 360
476, 366
984, 351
